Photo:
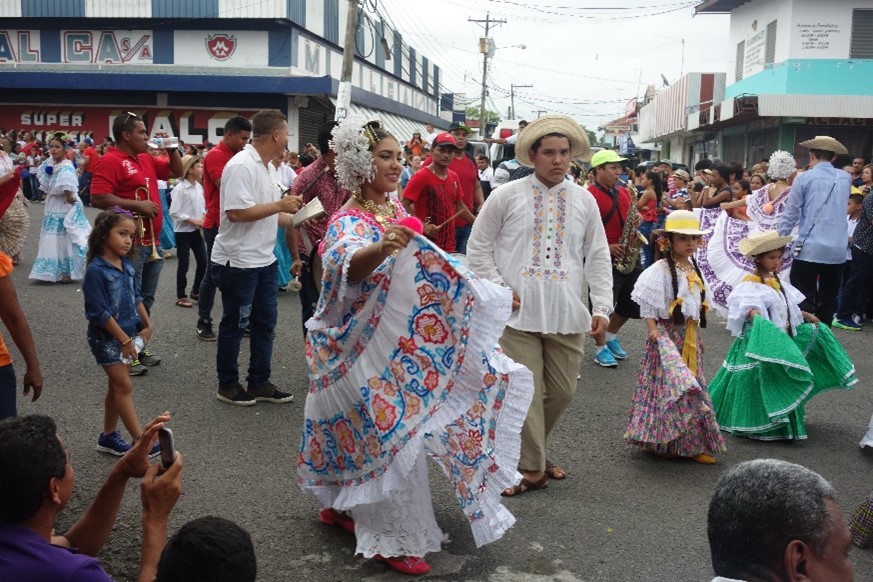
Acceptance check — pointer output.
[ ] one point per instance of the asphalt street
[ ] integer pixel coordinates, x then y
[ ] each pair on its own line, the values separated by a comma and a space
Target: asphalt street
620, 515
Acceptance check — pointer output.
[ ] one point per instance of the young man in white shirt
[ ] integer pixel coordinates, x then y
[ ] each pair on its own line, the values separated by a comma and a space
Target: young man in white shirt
541, 236
511, 139
430, 134
243, 265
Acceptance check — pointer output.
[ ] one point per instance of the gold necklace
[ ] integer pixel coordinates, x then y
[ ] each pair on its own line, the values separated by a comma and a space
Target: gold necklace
381, 212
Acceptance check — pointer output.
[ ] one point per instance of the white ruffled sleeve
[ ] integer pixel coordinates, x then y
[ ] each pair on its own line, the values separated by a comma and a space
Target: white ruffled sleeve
650, 291
795, 298
744, 297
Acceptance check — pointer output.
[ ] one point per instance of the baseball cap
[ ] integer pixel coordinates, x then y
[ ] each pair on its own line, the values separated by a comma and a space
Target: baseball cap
606, 157
444, 139
459, 125
682, 174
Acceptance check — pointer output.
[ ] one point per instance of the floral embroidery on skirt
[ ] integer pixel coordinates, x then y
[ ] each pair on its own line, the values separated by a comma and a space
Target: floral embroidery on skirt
671, 413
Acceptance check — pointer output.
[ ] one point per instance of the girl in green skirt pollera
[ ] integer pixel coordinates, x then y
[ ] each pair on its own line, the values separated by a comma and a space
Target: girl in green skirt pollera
781, 356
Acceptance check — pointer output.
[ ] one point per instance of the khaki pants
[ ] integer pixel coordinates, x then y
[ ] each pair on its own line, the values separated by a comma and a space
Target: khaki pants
554, 360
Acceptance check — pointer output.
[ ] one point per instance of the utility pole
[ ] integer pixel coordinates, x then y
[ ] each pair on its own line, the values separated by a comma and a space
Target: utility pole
344, 93
512, 89
540, 112
487, 50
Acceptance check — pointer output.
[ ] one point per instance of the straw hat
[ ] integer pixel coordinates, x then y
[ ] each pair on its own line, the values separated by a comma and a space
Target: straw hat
682, 222
763, 242
541, 126
826, 143
188, 162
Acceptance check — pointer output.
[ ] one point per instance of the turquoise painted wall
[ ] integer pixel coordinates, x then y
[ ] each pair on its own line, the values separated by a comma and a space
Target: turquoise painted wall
809, 77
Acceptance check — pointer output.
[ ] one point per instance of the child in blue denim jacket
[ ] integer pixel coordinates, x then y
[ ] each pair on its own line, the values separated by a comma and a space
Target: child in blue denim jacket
113, 307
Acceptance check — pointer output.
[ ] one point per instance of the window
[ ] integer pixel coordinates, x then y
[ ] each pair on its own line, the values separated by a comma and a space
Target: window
770, 52
862, 34
741, 53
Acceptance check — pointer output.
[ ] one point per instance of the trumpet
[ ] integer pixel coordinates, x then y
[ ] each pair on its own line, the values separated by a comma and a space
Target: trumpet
139, 219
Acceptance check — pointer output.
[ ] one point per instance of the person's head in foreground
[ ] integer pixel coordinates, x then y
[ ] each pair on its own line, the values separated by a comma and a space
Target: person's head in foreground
208, 549
771, 520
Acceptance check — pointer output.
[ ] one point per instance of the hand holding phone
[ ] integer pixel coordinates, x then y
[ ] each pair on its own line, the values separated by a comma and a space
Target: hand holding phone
168, 448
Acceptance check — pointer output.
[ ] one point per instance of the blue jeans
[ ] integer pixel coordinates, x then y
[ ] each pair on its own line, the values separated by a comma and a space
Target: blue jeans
853, 296
207, 285
248, 297
7, 392
462, 235
147, 273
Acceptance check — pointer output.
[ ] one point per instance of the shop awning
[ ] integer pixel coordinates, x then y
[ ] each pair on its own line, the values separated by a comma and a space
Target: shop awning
400, 127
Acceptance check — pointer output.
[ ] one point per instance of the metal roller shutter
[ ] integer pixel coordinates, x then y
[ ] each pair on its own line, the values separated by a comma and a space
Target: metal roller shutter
311, 120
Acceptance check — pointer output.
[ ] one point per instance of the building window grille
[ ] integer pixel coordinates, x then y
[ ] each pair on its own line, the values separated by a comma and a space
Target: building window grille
741, 53
770, 53
861, 46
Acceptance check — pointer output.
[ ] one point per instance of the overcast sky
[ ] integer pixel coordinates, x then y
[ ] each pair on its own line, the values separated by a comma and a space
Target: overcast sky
584, 58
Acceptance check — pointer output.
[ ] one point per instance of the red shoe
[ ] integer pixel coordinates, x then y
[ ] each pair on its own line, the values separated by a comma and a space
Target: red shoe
332, 517
410, 565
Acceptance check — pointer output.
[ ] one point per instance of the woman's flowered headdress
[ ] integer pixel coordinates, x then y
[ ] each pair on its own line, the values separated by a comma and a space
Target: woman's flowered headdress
353, 140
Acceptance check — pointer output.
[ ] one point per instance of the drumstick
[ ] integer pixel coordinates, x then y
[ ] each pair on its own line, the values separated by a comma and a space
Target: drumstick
457, 214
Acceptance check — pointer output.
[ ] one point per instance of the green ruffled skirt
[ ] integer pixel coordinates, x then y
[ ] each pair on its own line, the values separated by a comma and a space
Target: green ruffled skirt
767, 378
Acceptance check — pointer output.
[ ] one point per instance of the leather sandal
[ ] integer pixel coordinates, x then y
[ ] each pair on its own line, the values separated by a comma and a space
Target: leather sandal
526, 486
410, 565
554, 471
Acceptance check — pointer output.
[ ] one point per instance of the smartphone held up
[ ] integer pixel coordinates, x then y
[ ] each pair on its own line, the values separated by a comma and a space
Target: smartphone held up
168, 447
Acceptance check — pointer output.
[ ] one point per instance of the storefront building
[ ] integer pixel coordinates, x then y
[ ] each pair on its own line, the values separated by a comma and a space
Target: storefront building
802, 68
188, 66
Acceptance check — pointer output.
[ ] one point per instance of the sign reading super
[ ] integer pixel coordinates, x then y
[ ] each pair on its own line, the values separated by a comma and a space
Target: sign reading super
116, 47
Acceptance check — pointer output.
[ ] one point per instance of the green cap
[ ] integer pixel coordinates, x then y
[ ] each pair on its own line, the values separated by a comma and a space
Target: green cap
606, 157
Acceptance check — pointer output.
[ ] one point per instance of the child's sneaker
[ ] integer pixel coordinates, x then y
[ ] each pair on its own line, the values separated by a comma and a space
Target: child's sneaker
112, 443
605, 358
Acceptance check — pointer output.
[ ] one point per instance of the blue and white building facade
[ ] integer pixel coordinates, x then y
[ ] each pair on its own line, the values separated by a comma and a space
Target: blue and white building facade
801, 68
187, 66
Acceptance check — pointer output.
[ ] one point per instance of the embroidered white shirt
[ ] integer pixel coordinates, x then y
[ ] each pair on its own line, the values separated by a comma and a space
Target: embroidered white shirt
546, 244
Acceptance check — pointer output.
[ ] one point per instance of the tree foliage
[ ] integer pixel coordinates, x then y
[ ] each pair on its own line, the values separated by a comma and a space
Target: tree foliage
490, 116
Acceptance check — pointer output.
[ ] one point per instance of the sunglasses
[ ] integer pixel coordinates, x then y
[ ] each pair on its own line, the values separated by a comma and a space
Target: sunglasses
129, 117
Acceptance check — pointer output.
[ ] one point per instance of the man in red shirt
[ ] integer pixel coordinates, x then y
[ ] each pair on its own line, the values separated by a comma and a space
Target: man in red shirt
465, 167
237, 132
614, 204
435, 196
127, 176
90, 159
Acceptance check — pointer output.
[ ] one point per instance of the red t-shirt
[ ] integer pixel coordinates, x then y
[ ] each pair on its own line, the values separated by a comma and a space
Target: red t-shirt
213, 166
434, 202
603, 198
26, 148
121, 174
468, 174
92, 156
